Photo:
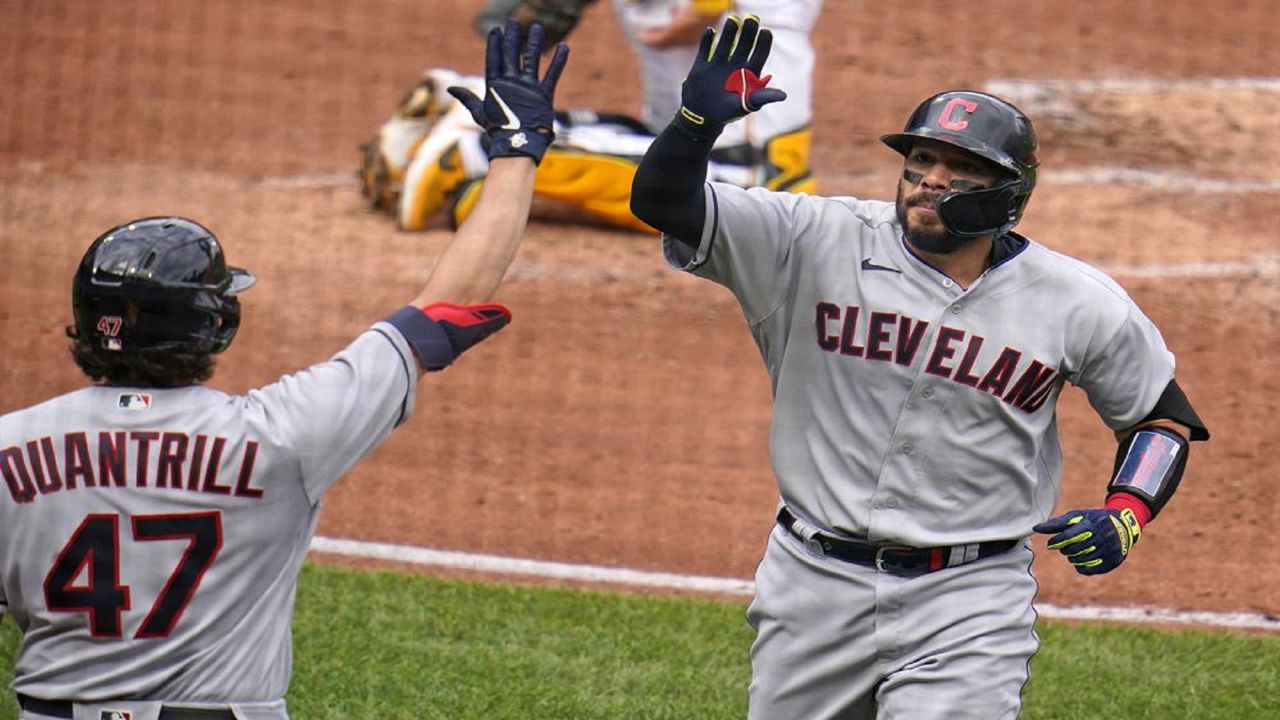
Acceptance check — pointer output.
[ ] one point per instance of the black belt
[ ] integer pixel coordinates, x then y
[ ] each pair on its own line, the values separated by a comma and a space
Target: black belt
64, 709
895, 559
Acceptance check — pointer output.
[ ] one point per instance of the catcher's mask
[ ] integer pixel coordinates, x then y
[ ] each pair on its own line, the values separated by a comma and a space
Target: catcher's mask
992, 129
157, 283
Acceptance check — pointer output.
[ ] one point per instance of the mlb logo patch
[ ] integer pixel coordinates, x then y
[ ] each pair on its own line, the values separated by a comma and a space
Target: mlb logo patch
137, 402
115, 715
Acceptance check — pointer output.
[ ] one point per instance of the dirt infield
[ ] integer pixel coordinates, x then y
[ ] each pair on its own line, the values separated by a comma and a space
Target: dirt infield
622, 419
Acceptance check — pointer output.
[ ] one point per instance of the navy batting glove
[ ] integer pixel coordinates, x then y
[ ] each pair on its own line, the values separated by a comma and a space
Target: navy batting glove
1095, 541
517, 111
724, 83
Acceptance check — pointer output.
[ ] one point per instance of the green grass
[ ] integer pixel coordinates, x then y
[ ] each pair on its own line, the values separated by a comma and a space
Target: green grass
388, 645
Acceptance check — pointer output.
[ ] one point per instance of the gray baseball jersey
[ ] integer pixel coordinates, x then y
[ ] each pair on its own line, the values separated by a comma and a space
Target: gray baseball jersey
908, 409
152, 537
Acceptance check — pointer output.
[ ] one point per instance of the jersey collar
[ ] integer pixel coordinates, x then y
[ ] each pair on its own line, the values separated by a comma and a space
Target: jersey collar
1003, 249
1007, 247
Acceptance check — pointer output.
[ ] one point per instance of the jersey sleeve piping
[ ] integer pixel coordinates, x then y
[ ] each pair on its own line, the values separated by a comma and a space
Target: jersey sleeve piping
777, 304
1110, 335
1096, 349
714, 225
1091, 274
703, 253
406, 405
686, 255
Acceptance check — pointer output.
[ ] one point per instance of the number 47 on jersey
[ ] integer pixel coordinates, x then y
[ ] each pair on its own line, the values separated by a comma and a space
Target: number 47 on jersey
93, 557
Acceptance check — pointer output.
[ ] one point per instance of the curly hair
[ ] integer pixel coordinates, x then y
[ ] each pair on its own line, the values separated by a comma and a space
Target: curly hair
145, 368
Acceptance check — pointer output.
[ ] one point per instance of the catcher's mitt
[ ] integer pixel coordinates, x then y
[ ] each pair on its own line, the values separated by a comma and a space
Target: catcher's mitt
557, 17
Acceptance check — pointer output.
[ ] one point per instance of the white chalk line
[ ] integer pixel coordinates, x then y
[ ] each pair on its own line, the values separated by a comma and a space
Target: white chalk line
1263, 265
494, 564
534, 568
1014, 90
1160, 180
318, 181
1110, 176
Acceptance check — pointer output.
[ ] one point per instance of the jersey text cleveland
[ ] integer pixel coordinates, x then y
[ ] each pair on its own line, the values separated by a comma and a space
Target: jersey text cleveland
183, 462
838, 332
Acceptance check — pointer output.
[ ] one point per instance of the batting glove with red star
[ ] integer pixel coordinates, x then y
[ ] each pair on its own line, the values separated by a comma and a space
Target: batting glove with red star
724, 83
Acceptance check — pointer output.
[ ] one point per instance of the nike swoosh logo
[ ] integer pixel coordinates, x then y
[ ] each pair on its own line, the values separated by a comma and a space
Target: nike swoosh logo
513, 122
868, 265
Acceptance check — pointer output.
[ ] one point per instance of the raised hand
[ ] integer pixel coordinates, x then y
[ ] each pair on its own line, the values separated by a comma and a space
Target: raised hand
724, 83
517, 111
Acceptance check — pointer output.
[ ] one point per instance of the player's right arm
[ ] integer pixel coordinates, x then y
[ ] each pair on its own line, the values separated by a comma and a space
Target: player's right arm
333, 413
471, 267
723, 85
452, 312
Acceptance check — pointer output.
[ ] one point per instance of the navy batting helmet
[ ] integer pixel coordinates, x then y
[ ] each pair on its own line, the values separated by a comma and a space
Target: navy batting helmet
990, 128
157, 283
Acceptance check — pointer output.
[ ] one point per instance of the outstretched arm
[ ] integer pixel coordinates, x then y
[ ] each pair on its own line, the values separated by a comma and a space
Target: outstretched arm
452, 311
475, 262
723, 86
667, 189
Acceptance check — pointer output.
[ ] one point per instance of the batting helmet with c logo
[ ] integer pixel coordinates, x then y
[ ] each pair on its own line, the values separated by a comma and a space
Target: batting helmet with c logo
992, 129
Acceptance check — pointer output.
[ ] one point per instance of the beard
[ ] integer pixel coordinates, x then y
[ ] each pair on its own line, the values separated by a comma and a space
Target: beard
932, 237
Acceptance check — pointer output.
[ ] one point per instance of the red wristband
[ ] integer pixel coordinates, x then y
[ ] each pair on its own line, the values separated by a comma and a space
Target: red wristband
1122, 500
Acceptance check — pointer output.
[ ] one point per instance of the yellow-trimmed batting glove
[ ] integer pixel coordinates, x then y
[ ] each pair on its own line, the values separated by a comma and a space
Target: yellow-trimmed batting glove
1094, 541
724, 83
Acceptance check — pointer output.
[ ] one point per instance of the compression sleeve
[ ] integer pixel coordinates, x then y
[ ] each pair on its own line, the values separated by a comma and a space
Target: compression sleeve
667, 190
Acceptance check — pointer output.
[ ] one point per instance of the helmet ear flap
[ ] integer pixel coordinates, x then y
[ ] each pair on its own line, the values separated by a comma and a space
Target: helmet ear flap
990, 211
226, 323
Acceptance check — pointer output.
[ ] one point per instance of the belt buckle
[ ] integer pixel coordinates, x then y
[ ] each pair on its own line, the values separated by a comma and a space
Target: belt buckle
879, 559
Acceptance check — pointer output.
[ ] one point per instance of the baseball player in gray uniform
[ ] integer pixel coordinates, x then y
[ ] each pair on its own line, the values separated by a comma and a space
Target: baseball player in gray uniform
916, 349
154, 527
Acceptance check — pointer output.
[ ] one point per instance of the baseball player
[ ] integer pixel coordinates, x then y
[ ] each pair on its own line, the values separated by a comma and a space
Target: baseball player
917, 349
154, 527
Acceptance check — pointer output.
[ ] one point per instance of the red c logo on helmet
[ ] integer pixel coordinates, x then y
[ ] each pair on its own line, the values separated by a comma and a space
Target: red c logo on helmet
945, 118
